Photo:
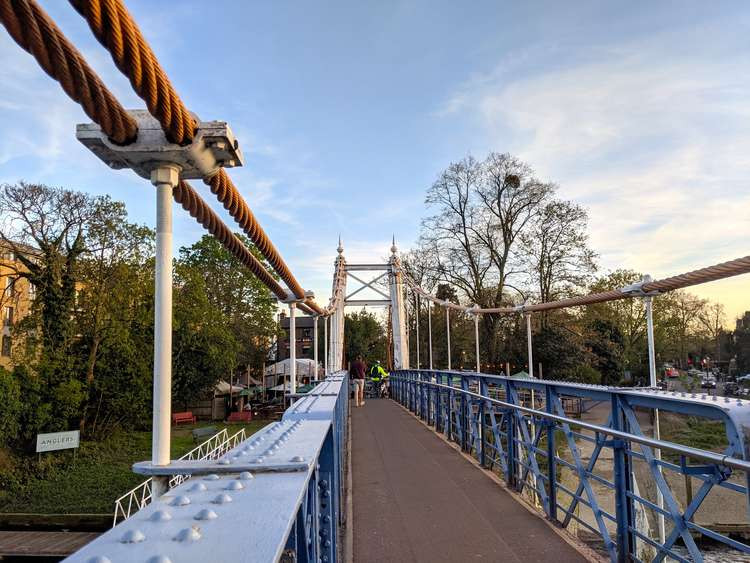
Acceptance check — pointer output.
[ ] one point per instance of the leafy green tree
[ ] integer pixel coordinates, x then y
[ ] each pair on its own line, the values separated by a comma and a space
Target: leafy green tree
606, 345
10, 391
246, 305
560, 351
204, 349
364, 335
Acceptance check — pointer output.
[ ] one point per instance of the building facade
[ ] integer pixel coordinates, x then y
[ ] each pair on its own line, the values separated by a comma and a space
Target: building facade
16, 298
304, 329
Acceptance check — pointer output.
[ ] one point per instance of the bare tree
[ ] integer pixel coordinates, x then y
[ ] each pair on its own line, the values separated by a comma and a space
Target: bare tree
472, 239
712, 317
52, 221
555, 247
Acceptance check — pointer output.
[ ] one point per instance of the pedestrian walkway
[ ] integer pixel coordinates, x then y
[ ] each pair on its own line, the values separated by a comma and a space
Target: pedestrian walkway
416, 499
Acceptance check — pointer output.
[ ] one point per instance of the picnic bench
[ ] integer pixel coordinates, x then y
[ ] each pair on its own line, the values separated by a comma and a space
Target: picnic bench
244, 416
180, 417
205, 432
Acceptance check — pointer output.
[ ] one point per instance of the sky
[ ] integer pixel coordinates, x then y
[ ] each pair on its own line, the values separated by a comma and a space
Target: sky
347, 111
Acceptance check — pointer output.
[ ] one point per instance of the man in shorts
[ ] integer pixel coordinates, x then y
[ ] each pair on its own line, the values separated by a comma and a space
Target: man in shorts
357, 372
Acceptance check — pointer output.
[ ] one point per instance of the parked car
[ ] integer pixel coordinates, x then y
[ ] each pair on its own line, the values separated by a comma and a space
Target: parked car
708, 382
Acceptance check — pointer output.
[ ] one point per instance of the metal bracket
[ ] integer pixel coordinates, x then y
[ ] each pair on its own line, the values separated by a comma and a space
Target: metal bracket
214, 146
636, 290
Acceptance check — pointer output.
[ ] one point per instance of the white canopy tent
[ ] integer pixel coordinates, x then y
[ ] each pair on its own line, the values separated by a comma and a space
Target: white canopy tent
305, 368
223, 388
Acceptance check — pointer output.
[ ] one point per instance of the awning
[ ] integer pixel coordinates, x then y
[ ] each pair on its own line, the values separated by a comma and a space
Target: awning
223, 388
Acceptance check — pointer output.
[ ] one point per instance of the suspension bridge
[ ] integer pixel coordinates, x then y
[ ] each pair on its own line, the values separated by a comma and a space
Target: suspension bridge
464, 464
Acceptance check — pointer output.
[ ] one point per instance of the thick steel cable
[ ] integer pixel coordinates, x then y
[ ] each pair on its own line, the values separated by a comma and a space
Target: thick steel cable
227, 193
35, 32
711, 273
115, 28
185, 195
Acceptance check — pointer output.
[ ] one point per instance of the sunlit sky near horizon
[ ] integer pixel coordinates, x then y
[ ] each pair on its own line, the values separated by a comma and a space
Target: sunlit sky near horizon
347, 111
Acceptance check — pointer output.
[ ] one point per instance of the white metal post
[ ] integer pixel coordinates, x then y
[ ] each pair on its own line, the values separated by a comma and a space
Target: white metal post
476, 336
315, 344
325, 342
652, 382
416, 320
165, 178
448, 334
528, 339
429, 328
292, 349
398, 315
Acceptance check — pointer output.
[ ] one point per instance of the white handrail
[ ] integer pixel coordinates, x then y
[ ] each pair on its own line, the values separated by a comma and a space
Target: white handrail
139, 496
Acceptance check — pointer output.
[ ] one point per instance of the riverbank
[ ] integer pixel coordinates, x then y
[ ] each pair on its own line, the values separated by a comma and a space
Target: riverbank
90, 482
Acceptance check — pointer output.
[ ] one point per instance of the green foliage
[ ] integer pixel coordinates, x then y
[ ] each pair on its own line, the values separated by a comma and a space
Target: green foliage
204, 349
364, 335
582, 374
67, 398
559, 350
10, 392
606, 344
101, 472
246, 305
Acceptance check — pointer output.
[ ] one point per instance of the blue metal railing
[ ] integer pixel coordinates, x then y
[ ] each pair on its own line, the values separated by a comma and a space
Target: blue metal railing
279, 495
519, 429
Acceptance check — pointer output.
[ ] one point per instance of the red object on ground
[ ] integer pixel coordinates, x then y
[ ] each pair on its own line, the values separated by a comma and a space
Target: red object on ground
244, 416
186, 417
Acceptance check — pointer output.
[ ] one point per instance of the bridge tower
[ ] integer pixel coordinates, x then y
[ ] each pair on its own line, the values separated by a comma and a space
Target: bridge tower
336, 344
398, 311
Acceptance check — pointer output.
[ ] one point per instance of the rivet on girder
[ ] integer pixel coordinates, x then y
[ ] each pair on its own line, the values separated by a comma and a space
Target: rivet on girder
191, 534
297, 459
211, 477
206, 514
159, 559
223, 498
160, 516
180, 500
99, 559
133, 536
234, 486
246, 476
198, 487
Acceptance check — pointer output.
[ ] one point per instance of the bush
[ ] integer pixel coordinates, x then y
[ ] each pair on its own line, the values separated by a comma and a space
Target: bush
583, 374
10, 391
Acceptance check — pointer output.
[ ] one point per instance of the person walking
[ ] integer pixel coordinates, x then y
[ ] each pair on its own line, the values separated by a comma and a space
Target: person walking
358, 371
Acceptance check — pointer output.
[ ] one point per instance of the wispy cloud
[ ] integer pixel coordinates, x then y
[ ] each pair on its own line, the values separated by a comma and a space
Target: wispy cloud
651, 135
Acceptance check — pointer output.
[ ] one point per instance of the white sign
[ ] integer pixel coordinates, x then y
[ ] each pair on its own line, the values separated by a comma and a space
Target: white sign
58, 441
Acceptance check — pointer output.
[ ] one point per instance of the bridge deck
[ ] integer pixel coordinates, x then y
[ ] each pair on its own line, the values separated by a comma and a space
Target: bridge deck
416, 499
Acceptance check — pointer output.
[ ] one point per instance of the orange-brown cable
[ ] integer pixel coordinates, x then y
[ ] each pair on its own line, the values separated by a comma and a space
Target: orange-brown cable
115, 28
35, 32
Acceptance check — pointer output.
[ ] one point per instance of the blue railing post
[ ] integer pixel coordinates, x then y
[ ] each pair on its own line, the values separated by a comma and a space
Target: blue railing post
413, 392
327, 502
622, 485
510, 436
480, 423
464, 415
551, 462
